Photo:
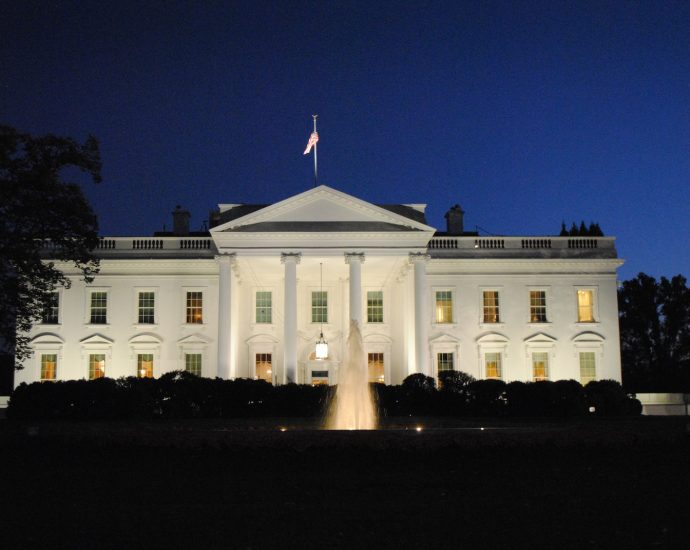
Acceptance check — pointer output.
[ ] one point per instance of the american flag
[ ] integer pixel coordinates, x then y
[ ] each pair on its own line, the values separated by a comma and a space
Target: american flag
313, 139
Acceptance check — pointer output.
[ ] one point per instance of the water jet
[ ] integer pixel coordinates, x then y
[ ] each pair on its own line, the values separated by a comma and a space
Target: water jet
352, 406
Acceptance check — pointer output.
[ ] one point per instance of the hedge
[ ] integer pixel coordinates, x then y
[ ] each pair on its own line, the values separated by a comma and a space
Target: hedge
178, 395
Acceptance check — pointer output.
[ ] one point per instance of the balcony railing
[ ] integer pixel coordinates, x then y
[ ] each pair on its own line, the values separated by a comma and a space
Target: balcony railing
447, 246
155, 243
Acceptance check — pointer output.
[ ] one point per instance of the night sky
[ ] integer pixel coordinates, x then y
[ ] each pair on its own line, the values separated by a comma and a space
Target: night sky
526, 113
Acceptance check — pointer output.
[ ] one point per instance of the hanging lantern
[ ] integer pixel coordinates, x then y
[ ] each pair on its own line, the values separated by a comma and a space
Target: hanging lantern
321, 348
321, 351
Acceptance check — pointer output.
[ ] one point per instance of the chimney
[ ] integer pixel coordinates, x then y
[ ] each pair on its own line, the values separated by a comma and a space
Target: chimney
180, 222
454, 220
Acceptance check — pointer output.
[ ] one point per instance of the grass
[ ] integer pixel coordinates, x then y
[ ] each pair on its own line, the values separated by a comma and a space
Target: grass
215, 484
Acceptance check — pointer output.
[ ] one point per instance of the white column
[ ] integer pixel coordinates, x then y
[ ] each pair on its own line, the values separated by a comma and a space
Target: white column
355, 260
290, 318
225, 263
421, 313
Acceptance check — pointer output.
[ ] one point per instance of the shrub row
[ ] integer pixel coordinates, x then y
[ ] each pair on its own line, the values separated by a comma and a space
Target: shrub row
182, 395
174, 395
462, 395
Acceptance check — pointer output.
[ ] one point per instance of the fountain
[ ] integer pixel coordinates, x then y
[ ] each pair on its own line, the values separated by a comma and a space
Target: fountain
352, 407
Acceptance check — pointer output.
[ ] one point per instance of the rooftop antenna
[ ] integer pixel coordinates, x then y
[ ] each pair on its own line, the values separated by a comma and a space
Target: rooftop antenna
313, 140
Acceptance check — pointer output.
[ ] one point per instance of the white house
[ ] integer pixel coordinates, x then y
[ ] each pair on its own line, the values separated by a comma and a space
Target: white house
252, 297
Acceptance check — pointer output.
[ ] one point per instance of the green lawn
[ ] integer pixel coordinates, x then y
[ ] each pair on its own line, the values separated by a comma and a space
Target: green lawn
213, 484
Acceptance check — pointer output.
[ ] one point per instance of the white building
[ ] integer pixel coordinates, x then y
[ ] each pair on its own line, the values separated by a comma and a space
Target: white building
248, 299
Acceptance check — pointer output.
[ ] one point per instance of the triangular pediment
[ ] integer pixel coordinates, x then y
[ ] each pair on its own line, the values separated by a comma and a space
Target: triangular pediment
444, 338
540, 338
322, 218
97, 340
195, 338
325, 209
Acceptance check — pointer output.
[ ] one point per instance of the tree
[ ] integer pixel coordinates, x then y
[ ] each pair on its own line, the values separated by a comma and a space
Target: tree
454, 381
655, 333
39, 207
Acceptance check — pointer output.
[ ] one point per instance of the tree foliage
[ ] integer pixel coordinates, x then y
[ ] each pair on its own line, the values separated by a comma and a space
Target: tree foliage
582, 231
655, 333
40, 208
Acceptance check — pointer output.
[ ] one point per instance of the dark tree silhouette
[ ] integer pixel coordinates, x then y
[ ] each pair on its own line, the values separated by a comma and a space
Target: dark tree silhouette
655, 333
39, 208
454, 381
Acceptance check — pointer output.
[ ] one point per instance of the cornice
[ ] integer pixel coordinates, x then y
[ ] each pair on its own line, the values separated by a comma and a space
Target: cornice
187, 266
498, 266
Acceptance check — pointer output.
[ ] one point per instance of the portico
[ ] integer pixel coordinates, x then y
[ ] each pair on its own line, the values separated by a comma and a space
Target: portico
362, 250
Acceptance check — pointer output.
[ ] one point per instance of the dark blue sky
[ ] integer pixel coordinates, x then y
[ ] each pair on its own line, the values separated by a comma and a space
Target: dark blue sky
525, 113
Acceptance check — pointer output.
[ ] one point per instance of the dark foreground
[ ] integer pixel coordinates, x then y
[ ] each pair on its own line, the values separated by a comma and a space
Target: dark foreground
607, 484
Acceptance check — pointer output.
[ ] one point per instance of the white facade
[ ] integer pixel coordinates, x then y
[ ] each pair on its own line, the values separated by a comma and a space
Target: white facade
244, 301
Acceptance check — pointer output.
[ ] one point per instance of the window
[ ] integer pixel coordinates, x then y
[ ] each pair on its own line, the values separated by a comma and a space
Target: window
588, 370
319, 378
99, 308
264, 312
52, 310
96, 366
537, 306
192, 363
540, 366
585, 306
445, 361
264, 367
444, 306
376, 370
145, 365
48, 366
146, 308
319, 307
491, 312
492, 365
375, 306
195, 307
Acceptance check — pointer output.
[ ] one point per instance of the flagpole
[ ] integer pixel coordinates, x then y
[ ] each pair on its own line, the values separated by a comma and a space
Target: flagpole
316, 162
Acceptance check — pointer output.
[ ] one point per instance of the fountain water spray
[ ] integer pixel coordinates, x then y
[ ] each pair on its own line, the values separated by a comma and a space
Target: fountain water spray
352, 407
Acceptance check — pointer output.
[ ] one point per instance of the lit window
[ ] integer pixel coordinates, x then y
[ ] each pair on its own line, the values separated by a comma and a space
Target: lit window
491, 311
319, 307
444, 361
48, 366
146, 308
145, 365
588, 371
195, 307
264, 367
444, 306
192, 363
96, 366
264, 305
99, 308
492, 364
319, 378
376, 370
52, 310
537, 306
540, 366
374, 306
585, 306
